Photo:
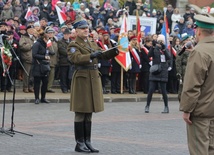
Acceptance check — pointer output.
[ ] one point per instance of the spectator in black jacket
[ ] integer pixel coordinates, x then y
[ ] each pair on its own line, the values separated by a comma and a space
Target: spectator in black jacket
40, 57
160, 56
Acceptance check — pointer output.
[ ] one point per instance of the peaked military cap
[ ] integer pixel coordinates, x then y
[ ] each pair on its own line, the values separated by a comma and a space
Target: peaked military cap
204, 21
80, 23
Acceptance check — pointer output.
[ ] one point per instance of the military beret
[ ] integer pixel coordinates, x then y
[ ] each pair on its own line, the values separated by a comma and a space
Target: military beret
117, 30
67, 31
105, 33
203, 21
132, 37
22, 27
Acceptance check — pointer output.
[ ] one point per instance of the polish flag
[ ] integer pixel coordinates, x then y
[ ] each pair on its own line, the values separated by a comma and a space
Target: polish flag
61, 15
28, 13
49, 43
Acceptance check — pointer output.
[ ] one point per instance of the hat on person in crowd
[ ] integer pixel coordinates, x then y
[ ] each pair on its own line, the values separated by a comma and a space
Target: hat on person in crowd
181, 18
58, 2
184, 36
112, 27
132, 37
176, 28
36, 24
64, 26
188, 23
49, 30
206, 22
51, 23
22, 27
80, 23
67, 31
29, 27
100, 31
56, 29
161, 38
82, 4
154, 11
105, 33
117, 30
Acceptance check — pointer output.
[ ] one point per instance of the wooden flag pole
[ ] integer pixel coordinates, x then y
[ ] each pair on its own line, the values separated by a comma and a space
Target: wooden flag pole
121, 81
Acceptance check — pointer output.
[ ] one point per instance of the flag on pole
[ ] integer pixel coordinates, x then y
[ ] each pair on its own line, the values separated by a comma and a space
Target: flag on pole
165, 30
53, 3
138, 32
123, 58
49, 43
61, 15
28, 13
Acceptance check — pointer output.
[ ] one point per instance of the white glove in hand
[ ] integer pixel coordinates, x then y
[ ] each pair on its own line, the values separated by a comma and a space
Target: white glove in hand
140, 66
169, 68
150, 63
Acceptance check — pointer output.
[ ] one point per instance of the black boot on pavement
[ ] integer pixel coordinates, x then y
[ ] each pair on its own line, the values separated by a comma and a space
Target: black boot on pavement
147, 109
44, 101
166, 110
88, 137
79, 136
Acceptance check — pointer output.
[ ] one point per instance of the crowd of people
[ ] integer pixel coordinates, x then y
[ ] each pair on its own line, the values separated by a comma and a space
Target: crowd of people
104, 21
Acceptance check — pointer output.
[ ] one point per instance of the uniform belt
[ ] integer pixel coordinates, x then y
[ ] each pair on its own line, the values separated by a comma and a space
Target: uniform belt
94, 67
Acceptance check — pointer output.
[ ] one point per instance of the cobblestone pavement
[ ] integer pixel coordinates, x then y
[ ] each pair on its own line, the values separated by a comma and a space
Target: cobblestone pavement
122, 129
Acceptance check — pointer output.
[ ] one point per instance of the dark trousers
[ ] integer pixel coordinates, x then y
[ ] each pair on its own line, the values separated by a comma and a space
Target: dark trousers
6, 81
144, 81
64, 81
132, 82
152, 87
115, 82
37, 82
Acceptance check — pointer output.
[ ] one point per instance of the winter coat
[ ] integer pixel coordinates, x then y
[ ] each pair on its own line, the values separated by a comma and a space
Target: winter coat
62, 49
86, 87
25, 45
156, 53
6, 14
135, 67
197, 97
144, 60
17, 9
38, 54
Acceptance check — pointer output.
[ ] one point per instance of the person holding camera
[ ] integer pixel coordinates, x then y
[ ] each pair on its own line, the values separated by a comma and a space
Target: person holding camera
158, 71
86, 86
40, 67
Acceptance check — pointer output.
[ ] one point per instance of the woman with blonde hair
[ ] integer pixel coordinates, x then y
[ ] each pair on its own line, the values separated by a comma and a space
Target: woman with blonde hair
175, 17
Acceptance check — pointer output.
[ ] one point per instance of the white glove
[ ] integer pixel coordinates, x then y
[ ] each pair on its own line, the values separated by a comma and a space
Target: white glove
150, 63
169, 68
140, 66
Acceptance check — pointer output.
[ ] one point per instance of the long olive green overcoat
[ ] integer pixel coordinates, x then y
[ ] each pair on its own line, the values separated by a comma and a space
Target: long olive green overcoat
86, 87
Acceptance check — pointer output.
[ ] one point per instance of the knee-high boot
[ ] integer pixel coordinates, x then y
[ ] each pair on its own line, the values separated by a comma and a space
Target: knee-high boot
80, 138
88, 137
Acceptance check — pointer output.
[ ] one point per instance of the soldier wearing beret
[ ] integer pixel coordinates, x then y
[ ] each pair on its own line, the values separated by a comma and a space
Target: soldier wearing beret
86, 80
197, 98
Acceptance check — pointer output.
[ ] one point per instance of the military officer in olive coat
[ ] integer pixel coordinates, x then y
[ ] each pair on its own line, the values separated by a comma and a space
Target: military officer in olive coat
86, 87
197, 97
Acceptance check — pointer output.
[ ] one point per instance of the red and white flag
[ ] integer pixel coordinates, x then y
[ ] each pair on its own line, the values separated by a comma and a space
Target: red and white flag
29, 12
49, 43
53, 3
61, 15
123, 58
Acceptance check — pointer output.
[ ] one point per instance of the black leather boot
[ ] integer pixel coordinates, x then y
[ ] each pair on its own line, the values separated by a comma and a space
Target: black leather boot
88, 137
79, 136
147, 109
166, 110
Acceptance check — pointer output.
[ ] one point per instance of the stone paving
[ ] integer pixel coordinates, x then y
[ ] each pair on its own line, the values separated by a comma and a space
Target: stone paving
122, 129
